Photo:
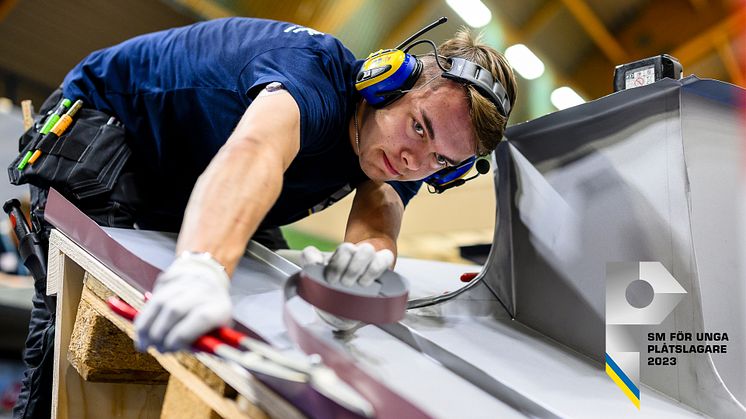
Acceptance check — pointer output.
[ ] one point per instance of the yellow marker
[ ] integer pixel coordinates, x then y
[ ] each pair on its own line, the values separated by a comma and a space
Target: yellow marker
27, 108
58, 129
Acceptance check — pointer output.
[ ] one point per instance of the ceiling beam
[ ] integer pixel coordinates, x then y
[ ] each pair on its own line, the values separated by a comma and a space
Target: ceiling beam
538, 20
411, 23
337, 16
595, 28
699, 4
722, 43
304, 12
697, 47
5, 7
642, 37
204, 9
513, 35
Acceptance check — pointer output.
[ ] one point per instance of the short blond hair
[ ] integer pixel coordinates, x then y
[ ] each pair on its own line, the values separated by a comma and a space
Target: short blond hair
489, 125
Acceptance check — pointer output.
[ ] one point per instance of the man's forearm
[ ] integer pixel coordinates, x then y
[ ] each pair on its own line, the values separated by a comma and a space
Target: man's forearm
375, 217
243, 181
229, 201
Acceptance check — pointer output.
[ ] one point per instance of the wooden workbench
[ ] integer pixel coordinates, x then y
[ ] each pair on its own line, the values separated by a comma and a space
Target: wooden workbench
197, 383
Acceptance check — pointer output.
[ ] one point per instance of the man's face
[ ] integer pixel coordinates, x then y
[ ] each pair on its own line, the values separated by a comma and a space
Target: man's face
419, 134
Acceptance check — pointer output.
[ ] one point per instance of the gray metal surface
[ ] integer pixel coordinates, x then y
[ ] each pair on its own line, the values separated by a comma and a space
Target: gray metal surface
652, 174
256, 291
582, 188
546, 373
463, 364
649, 174
468, 371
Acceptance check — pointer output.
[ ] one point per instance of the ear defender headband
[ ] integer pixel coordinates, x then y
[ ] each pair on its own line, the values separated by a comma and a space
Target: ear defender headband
386, 75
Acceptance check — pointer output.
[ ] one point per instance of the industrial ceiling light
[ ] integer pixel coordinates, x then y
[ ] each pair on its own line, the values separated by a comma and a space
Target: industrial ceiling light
473, 12
524, 61
564, 97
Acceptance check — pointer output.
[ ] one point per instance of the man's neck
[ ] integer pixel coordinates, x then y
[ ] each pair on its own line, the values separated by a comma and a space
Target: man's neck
353, 128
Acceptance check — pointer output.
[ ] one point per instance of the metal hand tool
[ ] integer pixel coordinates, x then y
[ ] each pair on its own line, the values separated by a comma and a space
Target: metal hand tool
30, 247
256, 356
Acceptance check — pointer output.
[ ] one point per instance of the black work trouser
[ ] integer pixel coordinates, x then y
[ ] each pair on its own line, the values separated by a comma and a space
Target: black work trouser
35, 399
115, 209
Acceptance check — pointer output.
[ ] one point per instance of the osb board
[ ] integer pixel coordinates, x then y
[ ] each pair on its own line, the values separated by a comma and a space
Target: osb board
100, 352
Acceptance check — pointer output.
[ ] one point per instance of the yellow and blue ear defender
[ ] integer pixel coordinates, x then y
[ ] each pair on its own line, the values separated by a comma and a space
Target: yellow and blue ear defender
386, 75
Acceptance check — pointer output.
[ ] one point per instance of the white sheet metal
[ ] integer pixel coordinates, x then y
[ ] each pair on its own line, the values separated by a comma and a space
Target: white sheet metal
257, 297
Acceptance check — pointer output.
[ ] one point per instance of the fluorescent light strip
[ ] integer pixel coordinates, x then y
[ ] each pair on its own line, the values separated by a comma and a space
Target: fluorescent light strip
524, 61
473, 12
564, 97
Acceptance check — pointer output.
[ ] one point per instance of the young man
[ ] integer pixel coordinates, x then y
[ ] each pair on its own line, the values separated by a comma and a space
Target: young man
241, 125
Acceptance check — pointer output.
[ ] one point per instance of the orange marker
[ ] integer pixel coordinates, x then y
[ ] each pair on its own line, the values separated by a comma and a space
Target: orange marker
58, 129
66, 119
48, 124
34, 156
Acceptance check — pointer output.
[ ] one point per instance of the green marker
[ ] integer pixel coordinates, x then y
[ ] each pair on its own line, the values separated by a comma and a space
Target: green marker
53, 118
25, 160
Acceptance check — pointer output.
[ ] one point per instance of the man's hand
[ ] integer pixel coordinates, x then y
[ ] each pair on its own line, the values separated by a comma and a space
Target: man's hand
190, 298
352, 263
349, 265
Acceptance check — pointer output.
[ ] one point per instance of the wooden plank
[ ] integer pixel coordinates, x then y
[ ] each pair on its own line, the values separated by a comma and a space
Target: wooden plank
79, 256
258, 395
182, 403
68, 295
189, 379
72, 397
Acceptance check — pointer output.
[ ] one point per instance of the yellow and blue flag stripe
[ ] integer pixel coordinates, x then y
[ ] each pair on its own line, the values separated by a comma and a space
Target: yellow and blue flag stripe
620, 378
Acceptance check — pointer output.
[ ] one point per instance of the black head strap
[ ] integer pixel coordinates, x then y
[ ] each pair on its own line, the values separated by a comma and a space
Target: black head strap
466, 71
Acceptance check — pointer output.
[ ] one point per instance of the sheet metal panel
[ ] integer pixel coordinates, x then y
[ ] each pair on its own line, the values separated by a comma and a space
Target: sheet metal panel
648, 174
256, 291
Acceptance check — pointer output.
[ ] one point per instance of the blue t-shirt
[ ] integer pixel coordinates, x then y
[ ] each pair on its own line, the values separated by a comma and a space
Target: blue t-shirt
181, 92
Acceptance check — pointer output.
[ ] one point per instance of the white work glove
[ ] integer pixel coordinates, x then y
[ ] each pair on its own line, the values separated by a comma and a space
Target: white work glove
350, 264
190, 298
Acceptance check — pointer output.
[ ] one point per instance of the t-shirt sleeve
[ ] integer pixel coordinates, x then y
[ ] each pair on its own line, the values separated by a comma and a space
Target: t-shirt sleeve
406, 190
304, 73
